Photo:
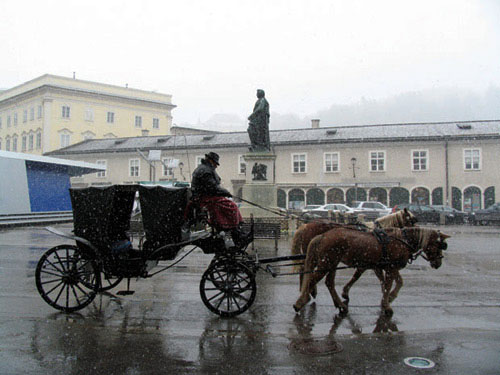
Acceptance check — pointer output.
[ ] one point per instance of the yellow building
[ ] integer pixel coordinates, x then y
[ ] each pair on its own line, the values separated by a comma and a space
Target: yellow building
51, 112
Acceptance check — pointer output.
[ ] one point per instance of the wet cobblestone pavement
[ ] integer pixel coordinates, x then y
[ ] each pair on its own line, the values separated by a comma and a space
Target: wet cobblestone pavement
450, 316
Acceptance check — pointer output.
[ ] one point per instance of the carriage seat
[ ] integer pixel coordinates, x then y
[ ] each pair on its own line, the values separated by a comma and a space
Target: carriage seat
194, 213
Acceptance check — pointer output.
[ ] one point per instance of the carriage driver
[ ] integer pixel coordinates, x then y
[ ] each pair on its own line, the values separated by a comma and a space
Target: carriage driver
224, 213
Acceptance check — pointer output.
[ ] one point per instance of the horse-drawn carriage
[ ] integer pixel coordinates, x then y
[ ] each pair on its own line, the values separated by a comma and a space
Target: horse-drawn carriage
68, 277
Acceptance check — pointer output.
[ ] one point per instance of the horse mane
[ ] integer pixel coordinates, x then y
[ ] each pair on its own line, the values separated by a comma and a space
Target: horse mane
423, 235
395, 220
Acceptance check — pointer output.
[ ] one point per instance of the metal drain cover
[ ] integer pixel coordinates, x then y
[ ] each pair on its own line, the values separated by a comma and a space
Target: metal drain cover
419, 362
315, 347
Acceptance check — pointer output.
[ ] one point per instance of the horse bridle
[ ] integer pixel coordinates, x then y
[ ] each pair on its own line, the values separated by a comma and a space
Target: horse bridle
420, 252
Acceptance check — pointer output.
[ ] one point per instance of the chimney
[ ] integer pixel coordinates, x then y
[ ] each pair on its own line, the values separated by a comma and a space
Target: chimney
145, 133
315, 124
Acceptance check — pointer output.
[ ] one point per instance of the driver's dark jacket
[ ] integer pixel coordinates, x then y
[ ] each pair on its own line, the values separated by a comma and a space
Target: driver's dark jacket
206, 182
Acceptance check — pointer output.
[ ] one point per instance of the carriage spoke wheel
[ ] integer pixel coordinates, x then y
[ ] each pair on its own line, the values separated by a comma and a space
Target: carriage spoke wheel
228, 288
65, 280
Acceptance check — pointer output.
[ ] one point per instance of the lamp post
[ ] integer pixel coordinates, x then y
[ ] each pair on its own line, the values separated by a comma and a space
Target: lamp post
353, 161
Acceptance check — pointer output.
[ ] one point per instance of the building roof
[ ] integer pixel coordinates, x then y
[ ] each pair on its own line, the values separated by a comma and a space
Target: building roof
74, 168
436, 131
77, 85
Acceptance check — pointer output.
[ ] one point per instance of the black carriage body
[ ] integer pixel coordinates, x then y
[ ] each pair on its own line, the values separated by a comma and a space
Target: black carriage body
102, 216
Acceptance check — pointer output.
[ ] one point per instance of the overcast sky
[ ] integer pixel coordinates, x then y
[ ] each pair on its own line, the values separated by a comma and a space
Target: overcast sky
213, 55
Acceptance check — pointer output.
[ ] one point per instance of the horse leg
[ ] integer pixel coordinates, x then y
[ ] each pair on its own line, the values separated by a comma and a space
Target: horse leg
310, 281
347, 287
387, 285
399, 283
330, 283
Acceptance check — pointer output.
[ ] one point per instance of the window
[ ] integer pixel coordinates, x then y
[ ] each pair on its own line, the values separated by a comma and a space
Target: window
89, 114
39, 112
65, 139
472, 159
133, 167
156, 123
15, 119
0, 143
377, 161
110, 117
7, 144
24, 143
299, 163
25, 115
331, 162
102, 163
39, 140
8, 121
32, 113
65, 111
138, 121
242, 166
30, 141
0, 123
419, 160
88, 135
14, 143
167, 170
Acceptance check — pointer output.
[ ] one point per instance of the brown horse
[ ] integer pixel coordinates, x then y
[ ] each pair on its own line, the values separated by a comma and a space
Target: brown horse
308, 231
363, 250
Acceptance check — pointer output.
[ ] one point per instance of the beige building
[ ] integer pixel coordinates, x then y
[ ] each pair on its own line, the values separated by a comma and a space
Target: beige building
451, 163
50, 112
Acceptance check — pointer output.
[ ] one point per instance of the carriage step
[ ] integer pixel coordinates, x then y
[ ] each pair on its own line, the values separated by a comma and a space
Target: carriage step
125, 292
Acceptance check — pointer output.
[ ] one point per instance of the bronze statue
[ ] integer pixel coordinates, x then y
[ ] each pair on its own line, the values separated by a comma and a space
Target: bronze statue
259, 172
258, 127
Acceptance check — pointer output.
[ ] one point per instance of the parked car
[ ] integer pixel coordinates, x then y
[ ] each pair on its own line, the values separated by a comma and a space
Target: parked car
430, 214
490, 215
322, 211
452, 215
310, 207
371, 209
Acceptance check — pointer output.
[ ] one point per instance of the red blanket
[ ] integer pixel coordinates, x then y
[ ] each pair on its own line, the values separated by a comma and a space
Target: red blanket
223, 212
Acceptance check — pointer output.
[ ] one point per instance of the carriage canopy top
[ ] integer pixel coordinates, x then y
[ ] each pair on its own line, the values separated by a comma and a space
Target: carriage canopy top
102, 214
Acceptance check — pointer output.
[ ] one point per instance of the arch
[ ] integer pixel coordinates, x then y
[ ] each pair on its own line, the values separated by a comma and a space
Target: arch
296, 199
315, 196
355, 194
378, 194
281, 198
437, 195
472, 199
335, 195
489, 196
456, 198
420, 195
398, 195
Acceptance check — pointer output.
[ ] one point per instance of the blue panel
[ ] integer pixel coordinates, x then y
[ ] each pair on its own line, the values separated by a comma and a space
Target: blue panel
48, 186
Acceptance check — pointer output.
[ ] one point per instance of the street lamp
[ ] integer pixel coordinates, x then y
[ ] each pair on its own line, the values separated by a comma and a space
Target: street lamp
353, 161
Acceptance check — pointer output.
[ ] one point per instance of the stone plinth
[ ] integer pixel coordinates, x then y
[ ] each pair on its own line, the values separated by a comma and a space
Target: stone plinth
256, 189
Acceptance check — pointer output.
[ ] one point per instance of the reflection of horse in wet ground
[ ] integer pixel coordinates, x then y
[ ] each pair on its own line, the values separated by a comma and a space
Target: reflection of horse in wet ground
363, 250
308, 231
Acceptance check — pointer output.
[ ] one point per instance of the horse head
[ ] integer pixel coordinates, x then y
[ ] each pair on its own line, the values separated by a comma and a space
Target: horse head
409, 218
433, 250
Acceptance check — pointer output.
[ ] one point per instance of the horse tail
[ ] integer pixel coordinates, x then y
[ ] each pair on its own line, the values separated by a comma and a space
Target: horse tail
297, 244
311, 260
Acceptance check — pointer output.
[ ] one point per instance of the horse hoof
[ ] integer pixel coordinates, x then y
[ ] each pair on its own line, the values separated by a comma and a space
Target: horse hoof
388, 312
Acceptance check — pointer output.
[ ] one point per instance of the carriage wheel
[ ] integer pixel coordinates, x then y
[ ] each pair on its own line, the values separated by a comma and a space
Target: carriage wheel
228, 288
65, 280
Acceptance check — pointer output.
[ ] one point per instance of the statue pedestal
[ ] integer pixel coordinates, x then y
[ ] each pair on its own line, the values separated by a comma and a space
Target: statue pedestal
259, 187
